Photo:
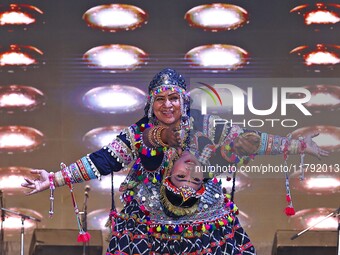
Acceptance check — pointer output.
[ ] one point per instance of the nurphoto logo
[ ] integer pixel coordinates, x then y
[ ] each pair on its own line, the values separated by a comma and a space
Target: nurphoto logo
238, 104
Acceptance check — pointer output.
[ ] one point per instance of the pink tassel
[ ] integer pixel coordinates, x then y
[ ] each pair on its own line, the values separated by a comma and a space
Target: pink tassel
289, 211
113, 224
83, 237
113, 214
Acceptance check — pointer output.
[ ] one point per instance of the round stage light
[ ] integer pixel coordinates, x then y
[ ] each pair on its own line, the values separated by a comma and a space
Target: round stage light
115, 99
19, 139
15, 98
217, 17
217, 57
309, 217
319, 14
99, 137
324, 98
20, 56
115, 17
115, 57
15, 15
320, 55
11, 178
14, 217
318, 179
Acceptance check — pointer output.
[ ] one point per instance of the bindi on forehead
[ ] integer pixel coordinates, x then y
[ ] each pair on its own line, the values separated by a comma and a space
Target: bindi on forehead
167, 93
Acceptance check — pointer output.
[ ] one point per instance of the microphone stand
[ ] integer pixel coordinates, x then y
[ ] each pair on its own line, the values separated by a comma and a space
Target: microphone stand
2, 239
23, 218
335, 213
3, 249
338, 212
84, 218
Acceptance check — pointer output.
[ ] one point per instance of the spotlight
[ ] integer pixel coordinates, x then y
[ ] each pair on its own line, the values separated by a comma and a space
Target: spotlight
12, 177
319, 14
217, 17
19, 139
321, 55
115, 17
324, 98
14, 98
19, 15
13, 222
308, 217
20, 56
318, 179
99, 137
115, 57
217, 57
114, 99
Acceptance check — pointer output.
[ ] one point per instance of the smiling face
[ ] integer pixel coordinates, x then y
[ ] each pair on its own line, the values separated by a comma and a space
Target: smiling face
184, 172
167, 107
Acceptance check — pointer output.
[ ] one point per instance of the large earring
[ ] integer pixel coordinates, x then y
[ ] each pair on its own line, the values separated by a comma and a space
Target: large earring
183, 107
150, 112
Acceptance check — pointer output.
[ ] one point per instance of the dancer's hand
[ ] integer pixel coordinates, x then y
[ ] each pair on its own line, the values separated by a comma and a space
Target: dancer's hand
172, 136
247, 144
39, 184
312, 148
169, 135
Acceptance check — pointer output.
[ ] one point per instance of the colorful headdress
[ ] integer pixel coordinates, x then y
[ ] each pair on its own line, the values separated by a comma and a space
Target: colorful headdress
167, 79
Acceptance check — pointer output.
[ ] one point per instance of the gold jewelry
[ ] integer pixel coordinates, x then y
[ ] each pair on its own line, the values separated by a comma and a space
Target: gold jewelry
159, 138
151, 136
59, 179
